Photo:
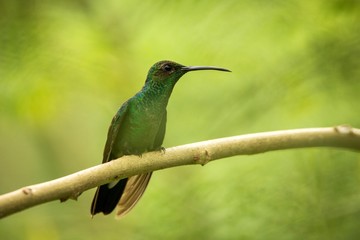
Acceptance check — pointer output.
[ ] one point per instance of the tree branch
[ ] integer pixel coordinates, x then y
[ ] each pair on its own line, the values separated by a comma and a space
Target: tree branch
73, 185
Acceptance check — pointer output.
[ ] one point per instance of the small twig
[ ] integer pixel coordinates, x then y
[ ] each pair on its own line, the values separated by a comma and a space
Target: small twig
73, 185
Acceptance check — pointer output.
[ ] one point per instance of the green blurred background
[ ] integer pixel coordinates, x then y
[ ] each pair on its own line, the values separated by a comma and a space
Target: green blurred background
66, 67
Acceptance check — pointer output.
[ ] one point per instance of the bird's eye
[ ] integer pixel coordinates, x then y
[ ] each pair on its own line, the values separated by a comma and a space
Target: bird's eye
167, 68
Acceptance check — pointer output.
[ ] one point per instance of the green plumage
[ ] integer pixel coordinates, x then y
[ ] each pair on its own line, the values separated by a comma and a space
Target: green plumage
138, 127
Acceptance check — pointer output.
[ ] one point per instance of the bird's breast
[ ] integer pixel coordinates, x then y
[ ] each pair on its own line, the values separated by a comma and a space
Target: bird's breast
139, 131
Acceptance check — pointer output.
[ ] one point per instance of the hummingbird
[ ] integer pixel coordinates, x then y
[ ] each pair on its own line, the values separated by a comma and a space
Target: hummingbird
139, 127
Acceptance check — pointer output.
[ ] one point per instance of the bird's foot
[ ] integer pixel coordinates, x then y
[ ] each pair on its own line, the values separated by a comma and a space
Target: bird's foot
162, 150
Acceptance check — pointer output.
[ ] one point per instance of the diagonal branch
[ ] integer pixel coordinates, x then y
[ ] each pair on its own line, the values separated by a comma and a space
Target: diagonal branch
73, 185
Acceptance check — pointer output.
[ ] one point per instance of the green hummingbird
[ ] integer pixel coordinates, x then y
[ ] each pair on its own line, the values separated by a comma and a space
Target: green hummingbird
139, 127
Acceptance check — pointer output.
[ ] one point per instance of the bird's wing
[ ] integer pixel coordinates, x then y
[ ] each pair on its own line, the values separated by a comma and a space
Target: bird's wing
114, 130
133, 191
103, 200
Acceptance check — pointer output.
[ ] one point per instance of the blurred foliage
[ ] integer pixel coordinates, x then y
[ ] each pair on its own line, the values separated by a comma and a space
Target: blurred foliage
66, 66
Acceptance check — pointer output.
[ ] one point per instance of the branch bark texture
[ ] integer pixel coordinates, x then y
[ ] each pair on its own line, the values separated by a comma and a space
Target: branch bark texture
71, 186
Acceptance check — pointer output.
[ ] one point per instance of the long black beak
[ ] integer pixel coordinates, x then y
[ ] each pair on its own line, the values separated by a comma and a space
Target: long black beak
196, 68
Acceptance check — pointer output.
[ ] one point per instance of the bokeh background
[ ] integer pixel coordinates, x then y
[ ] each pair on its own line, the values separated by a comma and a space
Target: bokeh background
66, 66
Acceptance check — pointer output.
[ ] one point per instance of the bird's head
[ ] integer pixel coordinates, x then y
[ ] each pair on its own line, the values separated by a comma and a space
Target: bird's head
170, 72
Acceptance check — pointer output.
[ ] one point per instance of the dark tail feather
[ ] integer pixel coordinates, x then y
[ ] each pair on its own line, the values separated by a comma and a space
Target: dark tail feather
106, 199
